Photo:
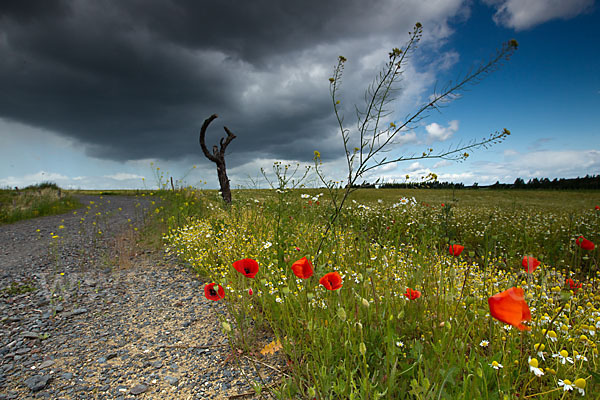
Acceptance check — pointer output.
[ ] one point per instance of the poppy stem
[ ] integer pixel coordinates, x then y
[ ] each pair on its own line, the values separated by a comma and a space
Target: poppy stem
527, 384
462, 291
541, 393
374, 295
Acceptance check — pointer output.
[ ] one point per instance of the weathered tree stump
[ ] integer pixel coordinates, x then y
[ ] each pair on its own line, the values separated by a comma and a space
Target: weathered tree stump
218, 157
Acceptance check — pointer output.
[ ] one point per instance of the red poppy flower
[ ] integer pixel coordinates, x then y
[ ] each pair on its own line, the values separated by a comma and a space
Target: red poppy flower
597, 207
584, 243
302, 268
212, 294
331, 281
530, 263
456, 249
250, 292
247, 267
412, 294
574, 286
443, 205
510, 307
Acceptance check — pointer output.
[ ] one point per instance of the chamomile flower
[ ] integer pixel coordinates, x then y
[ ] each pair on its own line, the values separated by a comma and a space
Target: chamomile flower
578, 356
540, 350
580, 385
484, 343
566, 385
534, 367
563, 357
552, 336
496, 365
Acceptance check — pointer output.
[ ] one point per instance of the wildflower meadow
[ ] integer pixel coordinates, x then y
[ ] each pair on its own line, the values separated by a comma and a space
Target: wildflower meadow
414, 293
394, 294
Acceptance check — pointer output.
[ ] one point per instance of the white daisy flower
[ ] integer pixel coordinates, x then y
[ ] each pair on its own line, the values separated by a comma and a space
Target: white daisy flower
563, 357
578, 356
496, 365
534, 367
566, 385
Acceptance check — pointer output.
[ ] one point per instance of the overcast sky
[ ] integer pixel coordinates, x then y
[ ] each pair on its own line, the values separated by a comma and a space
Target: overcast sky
93, 92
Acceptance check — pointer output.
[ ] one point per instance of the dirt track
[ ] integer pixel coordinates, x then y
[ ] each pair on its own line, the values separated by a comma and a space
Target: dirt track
89, 316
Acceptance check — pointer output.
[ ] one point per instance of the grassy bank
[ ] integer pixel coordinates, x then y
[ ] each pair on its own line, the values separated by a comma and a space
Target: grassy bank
34, 201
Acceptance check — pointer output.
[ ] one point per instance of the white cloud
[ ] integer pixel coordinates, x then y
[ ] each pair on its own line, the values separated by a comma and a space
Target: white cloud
249, 175
416, 166
117, 181
441, 164
438, 133
122, 176
31, 179
525, 14
457, 177
559, 163
406, 138
539, 164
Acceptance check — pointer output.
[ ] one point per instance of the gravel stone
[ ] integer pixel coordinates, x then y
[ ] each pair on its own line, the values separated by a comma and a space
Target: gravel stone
37, 382
46, 364
138, 389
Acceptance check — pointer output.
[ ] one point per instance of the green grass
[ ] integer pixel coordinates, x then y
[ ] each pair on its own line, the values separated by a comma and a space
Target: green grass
34, 201
366, 340
16, 288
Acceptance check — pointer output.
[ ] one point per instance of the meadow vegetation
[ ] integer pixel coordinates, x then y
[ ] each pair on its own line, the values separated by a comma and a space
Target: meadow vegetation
404, 317
404, 294
34, 201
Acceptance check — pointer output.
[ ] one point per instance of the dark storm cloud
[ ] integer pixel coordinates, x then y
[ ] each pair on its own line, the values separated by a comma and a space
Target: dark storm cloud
135, 79
26, 11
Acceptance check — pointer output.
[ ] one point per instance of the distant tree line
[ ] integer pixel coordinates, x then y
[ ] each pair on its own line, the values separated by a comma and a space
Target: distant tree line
408, 185
588, 182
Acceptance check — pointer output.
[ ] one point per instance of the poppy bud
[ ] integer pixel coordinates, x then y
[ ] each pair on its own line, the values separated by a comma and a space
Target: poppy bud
226, 327
362, 348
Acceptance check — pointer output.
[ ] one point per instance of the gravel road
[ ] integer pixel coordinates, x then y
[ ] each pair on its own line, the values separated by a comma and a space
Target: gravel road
86, 314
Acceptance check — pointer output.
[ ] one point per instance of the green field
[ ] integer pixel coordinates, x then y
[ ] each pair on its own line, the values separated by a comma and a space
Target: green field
375, 337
